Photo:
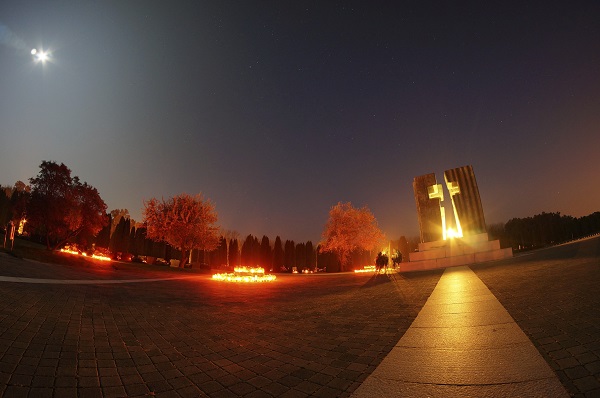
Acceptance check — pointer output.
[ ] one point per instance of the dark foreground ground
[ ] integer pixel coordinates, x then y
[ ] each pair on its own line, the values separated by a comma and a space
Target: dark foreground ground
554, 296
303, 335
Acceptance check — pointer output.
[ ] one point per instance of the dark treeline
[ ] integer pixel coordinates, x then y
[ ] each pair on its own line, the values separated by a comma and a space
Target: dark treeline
13, 202
122, 240
274, 256
544, 229
127, 242
528, 233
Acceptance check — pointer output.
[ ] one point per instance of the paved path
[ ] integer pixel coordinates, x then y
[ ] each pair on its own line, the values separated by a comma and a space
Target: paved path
463, 343
113, 330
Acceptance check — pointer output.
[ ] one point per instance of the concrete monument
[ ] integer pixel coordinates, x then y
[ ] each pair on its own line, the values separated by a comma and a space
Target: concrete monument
428, 195
466, 240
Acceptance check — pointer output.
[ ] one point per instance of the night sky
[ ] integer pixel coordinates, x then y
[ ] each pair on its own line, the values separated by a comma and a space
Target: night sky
278, 110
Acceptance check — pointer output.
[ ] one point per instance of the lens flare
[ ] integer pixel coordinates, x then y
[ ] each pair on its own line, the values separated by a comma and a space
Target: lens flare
40, 55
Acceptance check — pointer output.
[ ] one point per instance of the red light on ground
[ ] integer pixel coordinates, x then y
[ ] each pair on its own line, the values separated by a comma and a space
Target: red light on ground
245, 275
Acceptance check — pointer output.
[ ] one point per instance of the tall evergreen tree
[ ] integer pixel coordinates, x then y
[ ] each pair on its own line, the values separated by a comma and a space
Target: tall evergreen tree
119, 241
126, 235
266, 256
116, 216
132, 247
278, 260
311, 260
255, 251
234, 253
247, 255
5, 209
289, 256
103, 237
140, 237
116, 237
219, 255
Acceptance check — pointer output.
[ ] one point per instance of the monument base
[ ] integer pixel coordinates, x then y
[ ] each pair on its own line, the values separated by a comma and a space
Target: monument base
454, 252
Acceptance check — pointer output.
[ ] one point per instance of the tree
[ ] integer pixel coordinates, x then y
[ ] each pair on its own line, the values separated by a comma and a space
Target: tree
249, 252
13, 202
20, 186
18, 201
349, 229
311, 259
117, 215
233, 253
132, 247
266, 256
185, 222
327, 261
218, 257
5, 208
289, 254
61, 207
119, 240
137, 243
103, 237
278, 260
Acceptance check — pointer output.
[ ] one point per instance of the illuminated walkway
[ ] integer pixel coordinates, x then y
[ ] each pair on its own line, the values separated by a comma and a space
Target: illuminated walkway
463, 343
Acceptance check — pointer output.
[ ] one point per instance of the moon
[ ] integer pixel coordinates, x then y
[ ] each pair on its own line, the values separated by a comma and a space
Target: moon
40, 56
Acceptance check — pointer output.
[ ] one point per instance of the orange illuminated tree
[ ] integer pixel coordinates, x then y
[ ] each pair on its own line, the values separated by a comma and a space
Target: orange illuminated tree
185, 222
349, 229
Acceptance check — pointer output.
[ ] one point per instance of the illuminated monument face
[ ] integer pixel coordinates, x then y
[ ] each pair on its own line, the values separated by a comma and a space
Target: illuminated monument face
472, 244
428, 196
466, 203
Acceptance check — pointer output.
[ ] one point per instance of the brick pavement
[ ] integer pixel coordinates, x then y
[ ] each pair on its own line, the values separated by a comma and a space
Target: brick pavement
554, 296
313, 335
304, 335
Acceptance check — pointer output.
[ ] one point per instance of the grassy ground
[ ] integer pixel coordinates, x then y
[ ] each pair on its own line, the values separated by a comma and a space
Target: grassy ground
35, 251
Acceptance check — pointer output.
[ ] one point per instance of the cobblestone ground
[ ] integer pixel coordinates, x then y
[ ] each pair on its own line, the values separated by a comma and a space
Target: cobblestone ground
554, 296
303, 335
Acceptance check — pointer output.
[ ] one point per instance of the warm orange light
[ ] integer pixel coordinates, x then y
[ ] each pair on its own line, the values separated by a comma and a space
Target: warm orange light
102, 258
245, 274
249, 270
94, 256
372, 268
21, 226
451, 233
366, 268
